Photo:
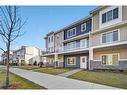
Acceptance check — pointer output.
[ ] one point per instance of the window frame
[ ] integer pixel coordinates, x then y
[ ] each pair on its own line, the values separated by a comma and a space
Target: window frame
111, 54
112, 36
74, 60
82, 27
112, 10
70, 32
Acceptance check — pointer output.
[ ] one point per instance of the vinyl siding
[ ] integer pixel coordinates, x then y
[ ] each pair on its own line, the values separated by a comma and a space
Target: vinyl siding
96, 38
77, 60
78, 29
124, 13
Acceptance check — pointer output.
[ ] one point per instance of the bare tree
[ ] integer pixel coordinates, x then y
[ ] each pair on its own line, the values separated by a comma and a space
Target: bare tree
10, 29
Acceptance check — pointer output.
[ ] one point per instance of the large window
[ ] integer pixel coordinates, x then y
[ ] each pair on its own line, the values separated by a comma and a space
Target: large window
71, 32
109, 37
83, 27
71, 60
110, 59
83, 43
110, 15
71, 45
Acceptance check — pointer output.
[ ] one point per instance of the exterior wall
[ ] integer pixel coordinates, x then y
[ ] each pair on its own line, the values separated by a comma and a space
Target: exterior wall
109, 23
96, 38
124, 13
95, 21
49, 62
28, 54
58, 41
60, 61
77, 65
78, 29
51, 44
122, 59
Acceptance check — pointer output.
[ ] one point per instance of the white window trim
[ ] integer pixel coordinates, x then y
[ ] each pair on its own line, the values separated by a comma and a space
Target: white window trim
71, 64
70, 30
110, 54
81, 27
111, 41
111, 22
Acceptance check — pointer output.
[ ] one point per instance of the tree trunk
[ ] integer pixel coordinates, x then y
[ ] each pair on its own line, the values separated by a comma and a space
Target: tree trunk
8, 58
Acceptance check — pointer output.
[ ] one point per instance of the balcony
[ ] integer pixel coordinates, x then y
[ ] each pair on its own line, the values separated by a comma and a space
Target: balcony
78, 46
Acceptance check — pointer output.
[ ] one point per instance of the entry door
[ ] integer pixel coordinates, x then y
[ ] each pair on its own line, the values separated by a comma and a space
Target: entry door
83, 62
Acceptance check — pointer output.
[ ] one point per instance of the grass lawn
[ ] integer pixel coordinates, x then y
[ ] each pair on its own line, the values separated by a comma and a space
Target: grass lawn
28, 67
17, 82
53, 71
105, 78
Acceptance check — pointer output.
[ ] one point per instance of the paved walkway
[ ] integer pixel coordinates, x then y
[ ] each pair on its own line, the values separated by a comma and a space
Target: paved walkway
56, 82
66, 74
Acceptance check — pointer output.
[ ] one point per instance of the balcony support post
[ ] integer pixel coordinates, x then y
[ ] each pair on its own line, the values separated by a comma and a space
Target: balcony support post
56, 60
91, 59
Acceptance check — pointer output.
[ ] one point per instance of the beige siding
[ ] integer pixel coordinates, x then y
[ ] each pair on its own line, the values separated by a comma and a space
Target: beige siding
123, 34
58, 40
124, 13
61, 58
122, 52
96, 38
96, 22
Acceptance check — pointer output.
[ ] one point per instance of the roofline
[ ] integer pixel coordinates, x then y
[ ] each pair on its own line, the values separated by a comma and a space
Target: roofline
74, 23
97, 9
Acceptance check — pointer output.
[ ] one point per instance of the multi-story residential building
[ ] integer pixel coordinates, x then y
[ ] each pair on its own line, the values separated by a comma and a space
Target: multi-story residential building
27, 55
4, 57
98, 41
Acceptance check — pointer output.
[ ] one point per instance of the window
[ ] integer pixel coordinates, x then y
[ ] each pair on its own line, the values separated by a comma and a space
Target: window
110, 37
71, 32
104, 18
115, 13
49, 39
83, 43
71, 60
110, 15
110, 59
52, 39
83, 27
71, 45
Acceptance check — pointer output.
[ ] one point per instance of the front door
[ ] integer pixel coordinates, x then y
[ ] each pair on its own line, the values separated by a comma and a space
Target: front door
83, 62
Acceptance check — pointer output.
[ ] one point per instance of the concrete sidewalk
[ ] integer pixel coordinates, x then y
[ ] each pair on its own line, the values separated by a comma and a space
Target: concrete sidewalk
56, 82
66, 74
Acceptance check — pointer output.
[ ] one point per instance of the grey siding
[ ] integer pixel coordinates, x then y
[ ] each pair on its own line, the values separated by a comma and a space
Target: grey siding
97, 65
78, 29
77, 60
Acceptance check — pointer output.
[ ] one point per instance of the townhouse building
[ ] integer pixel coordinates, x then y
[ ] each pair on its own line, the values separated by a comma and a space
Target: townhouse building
27, 55
4, 57
98, 41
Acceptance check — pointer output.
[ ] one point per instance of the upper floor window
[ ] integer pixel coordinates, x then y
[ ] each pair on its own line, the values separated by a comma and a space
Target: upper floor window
52, 39
49, 39
71, 32
83, 27
110, 15
110, 37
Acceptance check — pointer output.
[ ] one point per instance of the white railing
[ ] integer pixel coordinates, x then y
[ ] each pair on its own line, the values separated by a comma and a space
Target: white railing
72, 47
77, 46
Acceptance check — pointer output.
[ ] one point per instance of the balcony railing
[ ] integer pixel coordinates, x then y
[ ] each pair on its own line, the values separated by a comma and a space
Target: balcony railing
76, 46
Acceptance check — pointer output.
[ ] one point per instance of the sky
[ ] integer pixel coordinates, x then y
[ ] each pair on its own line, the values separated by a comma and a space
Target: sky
44, 19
